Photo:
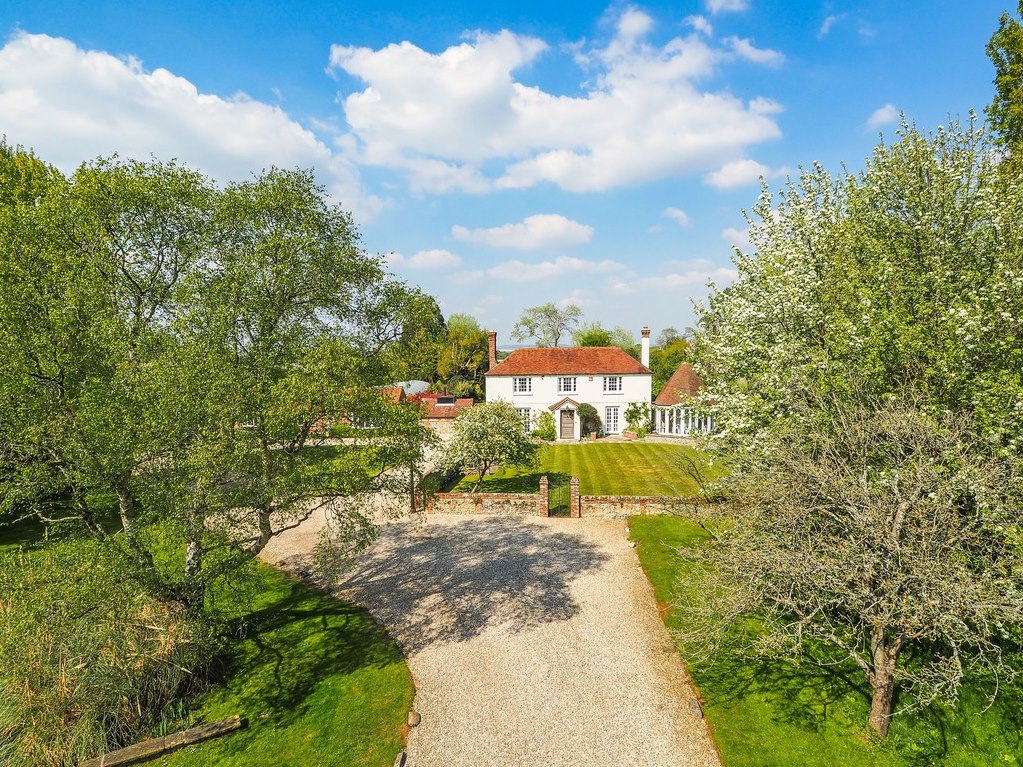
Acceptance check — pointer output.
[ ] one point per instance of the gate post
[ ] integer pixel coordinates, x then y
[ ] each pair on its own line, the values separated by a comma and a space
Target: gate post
543, 505
574, 505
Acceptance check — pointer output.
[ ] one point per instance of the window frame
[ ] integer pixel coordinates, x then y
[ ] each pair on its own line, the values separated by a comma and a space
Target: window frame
619, 384
574, 388
527, 384
525, 415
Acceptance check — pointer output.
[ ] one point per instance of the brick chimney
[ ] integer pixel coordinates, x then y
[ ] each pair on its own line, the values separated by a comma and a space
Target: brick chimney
644, 355
492, 343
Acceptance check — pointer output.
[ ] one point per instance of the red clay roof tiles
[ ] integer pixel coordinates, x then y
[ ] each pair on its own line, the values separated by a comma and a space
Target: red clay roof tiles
568, 360
683, 383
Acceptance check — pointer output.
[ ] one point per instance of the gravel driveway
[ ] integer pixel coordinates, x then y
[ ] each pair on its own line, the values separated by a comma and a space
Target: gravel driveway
531, 642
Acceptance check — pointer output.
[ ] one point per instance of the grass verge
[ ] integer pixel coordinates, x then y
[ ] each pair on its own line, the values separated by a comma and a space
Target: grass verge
771, 713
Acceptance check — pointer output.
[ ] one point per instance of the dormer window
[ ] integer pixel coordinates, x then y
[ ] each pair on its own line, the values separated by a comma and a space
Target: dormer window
445, 401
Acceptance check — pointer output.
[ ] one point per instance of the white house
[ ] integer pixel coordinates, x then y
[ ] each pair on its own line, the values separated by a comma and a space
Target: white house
560, 379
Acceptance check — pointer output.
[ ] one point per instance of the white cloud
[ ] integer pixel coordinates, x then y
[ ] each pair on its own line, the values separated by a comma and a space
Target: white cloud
744, 48
678, 215
737, 238
468, 277
737, 173
484, 309
689, 274
520, 271
717, 6
532, 233
634, 24
459, 119
828, 24
700, 24
72, 105
433, 259
579, 297
881, 116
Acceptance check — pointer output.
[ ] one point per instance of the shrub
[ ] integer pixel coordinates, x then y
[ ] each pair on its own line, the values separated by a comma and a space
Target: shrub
637, 418
589, 420
545, 427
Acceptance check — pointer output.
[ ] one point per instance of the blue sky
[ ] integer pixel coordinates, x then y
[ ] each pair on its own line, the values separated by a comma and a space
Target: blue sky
505, 154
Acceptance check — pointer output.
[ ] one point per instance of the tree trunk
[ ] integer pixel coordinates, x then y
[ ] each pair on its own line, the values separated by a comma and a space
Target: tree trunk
882, 684
128, 510
195, 589
483, 473
89, 518
412, 489
128, 513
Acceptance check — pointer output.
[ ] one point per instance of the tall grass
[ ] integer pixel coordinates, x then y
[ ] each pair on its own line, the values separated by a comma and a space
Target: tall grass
90, 662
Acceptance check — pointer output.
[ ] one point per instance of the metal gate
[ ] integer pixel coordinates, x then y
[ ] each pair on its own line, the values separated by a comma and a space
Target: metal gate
559, 495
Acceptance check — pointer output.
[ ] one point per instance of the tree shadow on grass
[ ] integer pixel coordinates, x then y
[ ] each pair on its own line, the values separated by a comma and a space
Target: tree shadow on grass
803, 694
816, 697
289, 646
450, 581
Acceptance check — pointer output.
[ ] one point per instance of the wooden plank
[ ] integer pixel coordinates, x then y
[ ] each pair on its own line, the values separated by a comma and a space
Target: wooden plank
147, 749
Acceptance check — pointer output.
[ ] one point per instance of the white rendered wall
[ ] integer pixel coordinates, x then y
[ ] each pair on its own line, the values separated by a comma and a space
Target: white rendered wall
589, 389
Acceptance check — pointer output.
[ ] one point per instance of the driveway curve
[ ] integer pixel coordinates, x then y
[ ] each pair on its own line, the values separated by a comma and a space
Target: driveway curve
531, 642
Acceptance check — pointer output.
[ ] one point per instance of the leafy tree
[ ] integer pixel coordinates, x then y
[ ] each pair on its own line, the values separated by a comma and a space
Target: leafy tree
869, 539
893, 294
664, 361
908, 274
1005, 49
486, 435
175, 344
464, 321
545, 428
546, 323
594, 334
413, 349
668, 336
464, 357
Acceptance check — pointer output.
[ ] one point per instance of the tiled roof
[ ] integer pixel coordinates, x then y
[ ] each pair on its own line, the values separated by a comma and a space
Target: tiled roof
568, 360
395, 393
683, 383
432, 410
560, 402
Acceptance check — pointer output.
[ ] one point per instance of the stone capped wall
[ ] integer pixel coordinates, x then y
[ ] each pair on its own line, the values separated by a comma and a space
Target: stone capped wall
620, 506
493, 504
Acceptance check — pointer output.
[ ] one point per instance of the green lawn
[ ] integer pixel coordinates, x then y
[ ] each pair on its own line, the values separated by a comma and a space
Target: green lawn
603, 468
773, 714
319, 682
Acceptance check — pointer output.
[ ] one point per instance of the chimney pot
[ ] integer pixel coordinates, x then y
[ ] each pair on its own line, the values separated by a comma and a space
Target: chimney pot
644, 354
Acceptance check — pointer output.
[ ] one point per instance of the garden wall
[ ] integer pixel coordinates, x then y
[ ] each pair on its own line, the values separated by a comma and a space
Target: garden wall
494, 504
620, 506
